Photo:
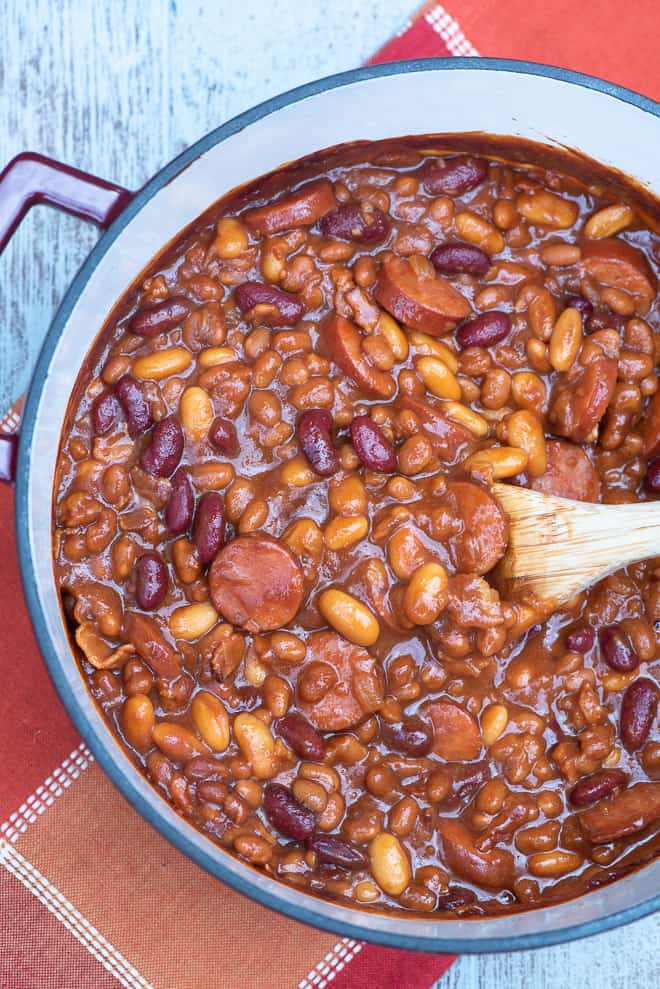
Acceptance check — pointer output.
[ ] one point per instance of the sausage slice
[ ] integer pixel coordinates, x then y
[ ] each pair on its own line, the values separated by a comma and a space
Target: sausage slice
624, 813
651, 428
473, 603
146, 637
615, 264
456, 735
448, 438
482, 531
301, 208
346, 703
494, 869
579, 404
569, 473
256, 583
342, 342
424, 301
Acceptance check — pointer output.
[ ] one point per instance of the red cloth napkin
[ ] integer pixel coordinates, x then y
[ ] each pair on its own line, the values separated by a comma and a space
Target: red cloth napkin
88, 889
600, 37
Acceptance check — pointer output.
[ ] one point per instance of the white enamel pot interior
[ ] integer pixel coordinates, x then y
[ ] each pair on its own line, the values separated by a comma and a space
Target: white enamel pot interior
543, 104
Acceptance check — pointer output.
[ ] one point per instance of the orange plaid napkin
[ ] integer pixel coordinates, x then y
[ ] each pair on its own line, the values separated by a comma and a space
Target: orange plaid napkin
87, 886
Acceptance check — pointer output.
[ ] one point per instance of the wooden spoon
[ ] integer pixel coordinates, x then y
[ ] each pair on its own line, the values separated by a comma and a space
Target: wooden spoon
559, 547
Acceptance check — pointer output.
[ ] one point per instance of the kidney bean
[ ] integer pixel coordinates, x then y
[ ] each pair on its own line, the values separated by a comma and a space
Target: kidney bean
458, 258
222, 435
289, 308
582, 305
456, 896
333, 851
315, 437
595, 787
151, 581
652, 479
286, 814
162, 455
412, 736
372, 446
301, 737
134, 405
181, 504
639, 707
485, 330
104, 412
160, 318
453, 176
468, 779
581, 639
350, 222
618, 651
209, 526
601, 319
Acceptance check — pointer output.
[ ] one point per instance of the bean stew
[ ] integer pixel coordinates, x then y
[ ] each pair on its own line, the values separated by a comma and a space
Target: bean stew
277, 546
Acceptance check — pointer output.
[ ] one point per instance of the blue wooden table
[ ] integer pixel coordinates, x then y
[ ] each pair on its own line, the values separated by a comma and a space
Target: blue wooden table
118, 88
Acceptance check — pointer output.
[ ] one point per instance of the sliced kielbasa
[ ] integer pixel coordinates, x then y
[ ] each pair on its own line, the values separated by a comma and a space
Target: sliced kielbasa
341, 340
301, 208
344, 704
150, 644
256, 583
448, 438
482, 528
456, 735
569, 473
615, 264
371, 576
651, 428
580, 401
473, 603
422, 300
622, 814
453, 176
494, 869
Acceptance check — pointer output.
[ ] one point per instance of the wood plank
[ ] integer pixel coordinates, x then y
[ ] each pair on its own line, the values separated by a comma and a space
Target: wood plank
627, 958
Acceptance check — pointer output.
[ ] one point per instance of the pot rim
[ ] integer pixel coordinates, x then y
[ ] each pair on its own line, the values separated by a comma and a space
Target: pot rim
272, 893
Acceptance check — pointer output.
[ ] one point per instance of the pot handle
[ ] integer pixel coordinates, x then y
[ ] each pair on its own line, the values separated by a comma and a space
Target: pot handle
31, 179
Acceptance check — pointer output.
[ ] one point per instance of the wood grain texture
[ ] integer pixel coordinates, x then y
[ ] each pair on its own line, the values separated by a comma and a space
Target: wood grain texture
118, 88
559, 547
